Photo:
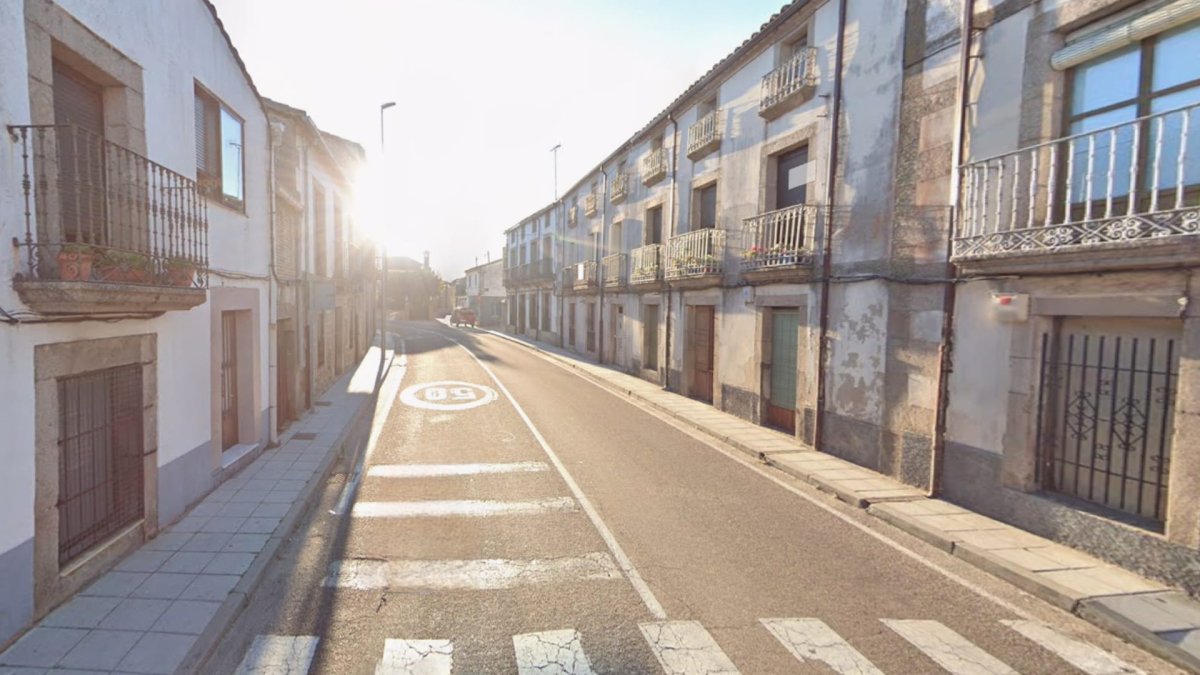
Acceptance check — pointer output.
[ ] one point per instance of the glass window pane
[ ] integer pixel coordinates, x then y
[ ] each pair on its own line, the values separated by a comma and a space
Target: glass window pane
1177, 57
231, 155
1172, 134
1110, 79
1111, 148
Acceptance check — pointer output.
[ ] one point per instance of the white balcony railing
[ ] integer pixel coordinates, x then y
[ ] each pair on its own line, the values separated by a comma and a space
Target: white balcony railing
619, 188
704, 135
779, 239
614, 270
696, 254
590, 202
654, 166
645, 264
585, 275
789, 81
1134, 181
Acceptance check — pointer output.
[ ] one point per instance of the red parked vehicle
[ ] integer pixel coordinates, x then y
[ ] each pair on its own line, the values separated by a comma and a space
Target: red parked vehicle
463, 316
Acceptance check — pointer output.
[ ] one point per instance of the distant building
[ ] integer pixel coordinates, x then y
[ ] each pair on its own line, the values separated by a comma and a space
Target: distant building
486, 294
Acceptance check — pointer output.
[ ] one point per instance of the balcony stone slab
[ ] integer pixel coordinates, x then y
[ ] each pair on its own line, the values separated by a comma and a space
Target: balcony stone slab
72, 297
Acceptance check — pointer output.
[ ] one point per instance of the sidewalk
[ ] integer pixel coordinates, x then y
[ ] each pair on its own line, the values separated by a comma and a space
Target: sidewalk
166, 606
1153, 616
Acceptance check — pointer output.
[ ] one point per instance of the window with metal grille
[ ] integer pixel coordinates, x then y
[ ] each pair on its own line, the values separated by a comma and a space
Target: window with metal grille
100, 457
1107, 408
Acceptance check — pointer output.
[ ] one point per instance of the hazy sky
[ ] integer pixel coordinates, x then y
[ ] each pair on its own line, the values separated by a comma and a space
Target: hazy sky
484, 89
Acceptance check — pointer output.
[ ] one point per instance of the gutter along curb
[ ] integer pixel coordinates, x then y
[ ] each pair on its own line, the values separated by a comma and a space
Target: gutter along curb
1153, 616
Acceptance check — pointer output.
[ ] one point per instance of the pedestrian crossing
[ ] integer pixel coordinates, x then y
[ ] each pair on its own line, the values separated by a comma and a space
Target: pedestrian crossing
687, 648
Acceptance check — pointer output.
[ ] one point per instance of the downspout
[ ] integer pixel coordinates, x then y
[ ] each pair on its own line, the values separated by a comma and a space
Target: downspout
272, 290
945, 349
826, 256
599, 255
661, 256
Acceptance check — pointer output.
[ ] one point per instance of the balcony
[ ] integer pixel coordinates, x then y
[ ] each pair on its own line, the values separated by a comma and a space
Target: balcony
655, 166
573, 216
616, 270
541, 270
704, 136
779, 244
566, 278
590, 202
789, 85
586, 277
620, 188
107, 231
696, 258
645, 266
1121, 196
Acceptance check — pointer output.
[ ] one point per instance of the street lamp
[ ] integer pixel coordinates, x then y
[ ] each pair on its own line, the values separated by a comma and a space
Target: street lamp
383, 319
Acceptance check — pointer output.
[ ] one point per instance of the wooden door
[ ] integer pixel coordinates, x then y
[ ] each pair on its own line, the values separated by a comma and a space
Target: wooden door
780, 370
229, 380
701, 343
287, 373
79, 116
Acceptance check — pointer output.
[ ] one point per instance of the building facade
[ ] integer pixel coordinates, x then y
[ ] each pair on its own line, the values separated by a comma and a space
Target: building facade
969, 268
486, 294
529, 275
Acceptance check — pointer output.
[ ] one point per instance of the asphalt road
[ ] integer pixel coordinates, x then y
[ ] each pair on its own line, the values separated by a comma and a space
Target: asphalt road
558, 526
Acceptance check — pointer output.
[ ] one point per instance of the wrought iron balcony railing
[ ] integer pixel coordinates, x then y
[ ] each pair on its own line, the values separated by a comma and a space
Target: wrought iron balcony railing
788, 84
615, 270
655, 166
1117, 186
99, 213
586, 276
704, 135
645, 264
620, 187
590, 203
779, 239
696, 254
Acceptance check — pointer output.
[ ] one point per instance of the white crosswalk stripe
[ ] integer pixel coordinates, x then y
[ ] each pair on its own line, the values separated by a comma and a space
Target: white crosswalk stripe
279, 655
1090, 659
812, 639
442, 470
468, 574
551, 652
684, 648
947, 648
416, 657
460, 507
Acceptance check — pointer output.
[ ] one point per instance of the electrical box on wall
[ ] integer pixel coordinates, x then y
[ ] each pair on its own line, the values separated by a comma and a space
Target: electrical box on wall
1010, 307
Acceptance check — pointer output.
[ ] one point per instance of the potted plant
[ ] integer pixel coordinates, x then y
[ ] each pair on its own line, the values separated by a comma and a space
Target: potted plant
180, 272
125, 266
75, 262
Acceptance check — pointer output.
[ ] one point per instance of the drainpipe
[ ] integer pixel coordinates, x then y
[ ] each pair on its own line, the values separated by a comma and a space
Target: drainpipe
826, 256
599, 261
945, 349
272, 290
661, 262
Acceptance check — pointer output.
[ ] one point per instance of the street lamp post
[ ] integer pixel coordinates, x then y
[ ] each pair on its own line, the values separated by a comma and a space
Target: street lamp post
383, 318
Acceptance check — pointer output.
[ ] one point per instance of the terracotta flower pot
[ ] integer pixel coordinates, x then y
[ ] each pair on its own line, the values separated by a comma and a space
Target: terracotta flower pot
74, 265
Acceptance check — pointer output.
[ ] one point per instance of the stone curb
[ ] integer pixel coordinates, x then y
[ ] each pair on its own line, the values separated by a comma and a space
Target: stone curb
237, 600
1085, 607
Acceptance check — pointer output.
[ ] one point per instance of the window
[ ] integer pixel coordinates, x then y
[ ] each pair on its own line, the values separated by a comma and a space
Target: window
338, 234
1157, 75
705, 213
320, 339
219, 143
654, 225
617, 237
100, 465
319, 245
706, 107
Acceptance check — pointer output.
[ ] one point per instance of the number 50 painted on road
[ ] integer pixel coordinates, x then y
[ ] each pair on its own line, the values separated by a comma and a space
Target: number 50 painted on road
447, 395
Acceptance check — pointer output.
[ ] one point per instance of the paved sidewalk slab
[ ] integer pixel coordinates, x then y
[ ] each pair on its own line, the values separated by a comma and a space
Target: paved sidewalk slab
160, 607
1158, 618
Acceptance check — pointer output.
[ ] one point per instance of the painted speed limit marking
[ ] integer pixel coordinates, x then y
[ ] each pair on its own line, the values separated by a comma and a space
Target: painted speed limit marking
447, 395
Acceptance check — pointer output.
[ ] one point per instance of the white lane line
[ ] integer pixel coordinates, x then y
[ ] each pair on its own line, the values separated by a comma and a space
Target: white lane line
635, 579
948, 649
440, 470
489, 574
773, 476
551, 652
813, 639
461, 507
416, 657
279, 655
685, 648
1088, 658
